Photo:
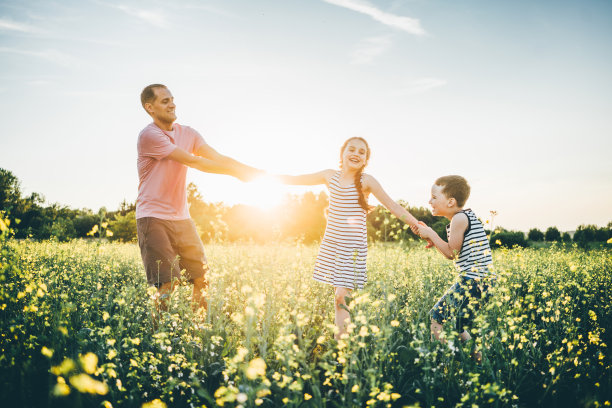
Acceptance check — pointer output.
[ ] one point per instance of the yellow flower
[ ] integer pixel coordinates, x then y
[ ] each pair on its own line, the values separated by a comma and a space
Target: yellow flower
307, 396
394, 323
61, 390
89, 362
86, 384
64, 368
355, 388
156, 403
47, 352
256, 368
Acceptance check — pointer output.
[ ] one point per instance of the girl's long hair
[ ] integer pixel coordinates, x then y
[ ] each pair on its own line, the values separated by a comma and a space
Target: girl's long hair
362, 201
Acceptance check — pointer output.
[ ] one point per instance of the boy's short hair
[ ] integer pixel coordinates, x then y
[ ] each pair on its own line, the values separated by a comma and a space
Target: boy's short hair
455, 187
148, 93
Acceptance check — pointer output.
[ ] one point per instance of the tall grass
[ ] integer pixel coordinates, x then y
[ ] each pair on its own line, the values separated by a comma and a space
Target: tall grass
77, 331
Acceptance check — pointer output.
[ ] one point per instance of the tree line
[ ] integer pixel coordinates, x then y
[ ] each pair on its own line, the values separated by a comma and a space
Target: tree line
299, 218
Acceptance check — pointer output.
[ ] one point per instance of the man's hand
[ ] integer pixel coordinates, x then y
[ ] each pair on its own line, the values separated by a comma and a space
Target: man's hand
250, 173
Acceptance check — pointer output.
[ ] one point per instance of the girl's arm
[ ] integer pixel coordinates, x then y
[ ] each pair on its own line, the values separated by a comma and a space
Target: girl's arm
372, 185
450, 249
322, 177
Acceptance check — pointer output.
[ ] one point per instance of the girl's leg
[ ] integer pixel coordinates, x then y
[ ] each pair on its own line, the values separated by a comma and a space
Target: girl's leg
343, 317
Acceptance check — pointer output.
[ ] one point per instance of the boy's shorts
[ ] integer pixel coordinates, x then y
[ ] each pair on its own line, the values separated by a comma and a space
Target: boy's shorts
167, 247
464, 299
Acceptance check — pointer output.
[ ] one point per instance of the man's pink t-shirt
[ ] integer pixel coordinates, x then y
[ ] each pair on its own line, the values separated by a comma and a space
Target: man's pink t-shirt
162, 191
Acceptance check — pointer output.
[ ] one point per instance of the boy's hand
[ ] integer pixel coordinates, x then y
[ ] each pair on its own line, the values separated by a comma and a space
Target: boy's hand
422, 230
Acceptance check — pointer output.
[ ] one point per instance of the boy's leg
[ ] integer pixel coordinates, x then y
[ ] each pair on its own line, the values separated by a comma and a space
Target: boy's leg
441, 313
469, 305
436, 331
343, 316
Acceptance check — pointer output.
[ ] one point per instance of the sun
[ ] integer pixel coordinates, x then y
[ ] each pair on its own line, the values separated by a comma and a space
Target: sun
264, 192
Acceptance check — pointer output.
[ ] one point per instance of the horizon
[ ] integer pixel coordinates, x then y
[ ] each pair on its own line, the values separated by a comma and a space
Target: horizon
516, 97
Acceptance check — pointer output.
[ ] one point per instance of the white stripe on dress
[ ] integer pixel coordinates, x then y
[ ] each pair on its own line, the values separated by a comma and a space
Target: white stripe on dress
341, 261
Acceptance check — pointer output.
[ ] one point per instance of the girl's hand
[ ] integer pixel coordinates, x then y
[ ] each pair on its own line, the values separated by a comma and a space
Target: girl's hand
424, 231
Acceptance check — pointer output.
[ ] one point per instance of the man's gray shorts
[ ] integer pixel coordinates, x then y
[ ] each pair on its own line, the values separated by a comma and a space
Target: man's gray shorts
167, 247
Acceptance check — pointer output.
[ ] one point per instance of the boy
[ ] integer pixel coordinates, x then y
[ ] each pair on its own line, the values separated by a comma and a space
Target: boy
468, 247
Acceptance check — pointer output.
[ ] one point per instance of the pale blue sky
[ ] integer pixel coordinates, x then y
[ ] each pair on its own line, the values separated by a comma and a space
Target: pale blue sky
515, 96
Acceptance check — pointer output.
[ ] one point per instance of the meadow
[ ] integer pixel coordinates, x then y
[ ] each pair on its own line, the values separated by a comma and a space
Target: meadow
77, 331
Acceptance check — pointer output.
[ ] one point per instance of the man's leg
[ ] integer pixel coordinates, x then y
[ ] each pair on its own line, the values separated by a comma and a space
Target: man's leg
198, 299
163, 295
193, 261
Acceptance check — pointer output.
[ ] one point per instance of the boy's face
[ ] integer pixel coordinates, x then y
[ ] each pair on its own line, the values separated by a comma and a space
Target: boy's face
440, 203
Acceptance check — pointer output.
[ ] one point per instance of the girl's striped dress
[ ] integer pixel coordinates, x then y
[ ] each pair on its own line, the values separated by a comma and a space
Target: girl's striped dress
342, 257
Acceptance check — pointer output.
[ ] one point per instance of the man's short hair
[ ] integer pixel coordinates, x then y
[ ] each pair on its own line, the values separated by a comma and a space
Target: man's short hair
455, 187
148, 94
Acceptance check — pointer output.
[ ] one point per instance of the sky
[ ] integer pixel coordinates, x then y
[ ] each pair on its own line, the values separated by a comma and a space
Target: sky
514, 96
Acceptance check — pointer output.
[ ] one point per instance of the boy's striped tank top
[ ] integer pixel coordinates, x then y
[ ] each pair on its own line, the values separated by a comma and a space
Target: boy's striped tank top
474, 260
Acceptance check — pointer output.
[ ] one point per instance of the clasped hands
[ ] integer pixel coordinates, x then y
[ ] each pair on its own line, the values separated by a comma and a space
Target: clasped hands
423, 231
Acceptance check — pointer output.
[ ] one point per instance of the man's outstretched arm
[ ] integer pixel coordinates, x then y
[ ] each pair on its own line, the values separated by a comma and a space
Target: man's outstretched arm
241, 170
223, 166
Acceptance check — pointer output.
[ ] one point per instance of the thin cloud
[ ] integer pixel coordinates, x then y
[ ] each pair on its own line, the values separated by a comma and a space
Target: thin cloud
54, 56
410, 25
9, 25
369, 49
155, 18
205, 8
423, 85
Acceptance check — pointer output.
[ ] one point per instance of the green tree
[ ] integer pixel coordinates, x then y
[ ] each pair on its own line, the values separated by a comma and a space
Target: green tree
552, 234
535, 234
507, 239
10, 191
585, 234
208, 217
566, 237
123, 227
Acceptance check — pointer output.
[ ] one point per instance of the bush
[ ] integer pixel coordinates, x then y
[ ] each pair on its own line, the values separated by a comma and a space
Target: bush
508, 239
552, 234
535, 235
123, 227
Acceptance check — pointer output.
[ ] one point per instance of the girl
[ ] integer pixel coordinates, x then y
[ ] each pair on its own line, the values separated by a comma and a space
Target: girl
342, 256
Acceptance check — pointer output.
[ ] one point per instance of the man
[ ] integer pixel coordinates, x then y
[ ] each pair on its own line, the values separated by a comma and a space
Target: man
167, 236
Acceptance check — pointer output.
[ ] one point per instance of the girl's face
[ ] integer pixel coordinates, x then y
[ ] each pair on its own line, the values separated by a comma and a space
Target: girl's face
355, 155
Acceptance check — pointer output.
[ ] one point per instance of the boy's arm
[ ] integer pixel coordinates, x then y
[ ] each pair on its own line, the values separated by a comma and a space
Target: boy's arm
449, 249
321, 177
372, 185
